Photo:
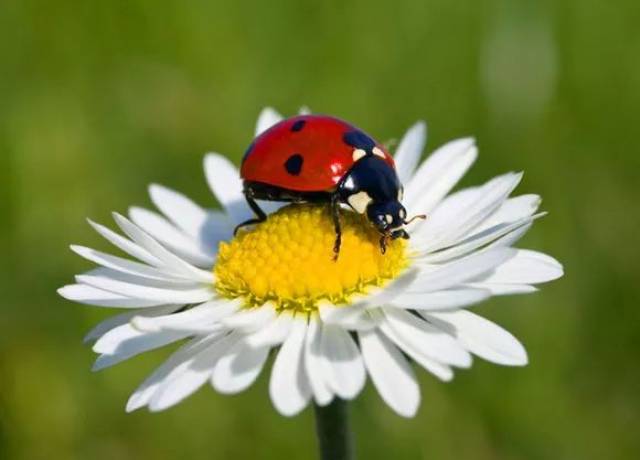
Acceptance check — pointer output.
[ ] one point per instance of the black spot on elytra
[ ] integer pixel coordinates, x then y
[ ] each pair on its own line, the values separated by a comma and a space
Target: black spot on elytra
358, 140
248, 151
298, 125
293, 165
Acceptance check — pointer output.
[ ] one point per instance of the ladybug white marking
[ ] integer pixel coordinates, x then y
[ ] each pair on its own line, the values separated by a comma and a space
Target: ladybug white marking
348, 184
358, 153
378, 152
359, 201
388, 218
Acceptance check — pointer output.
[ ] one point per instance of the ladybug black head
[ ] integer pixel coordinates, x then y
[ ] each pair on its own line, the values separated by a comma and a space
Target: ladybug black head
387, 216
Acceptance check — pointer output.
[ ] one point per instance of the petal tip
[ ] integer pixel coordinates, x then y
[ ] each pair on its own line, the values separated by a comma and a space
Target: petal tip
409, 411
156, 190
420, 128
98, 364
144, 324
63, 292
132, 405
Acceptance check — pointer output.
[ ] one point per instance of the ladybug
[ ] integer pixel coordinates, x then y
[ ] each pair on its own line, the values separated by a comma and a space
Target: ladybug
321, 159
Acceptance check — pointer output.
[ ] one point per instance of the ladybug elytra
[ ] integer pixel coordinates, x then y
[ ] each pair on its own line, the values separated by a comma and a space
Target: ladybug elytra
321, 159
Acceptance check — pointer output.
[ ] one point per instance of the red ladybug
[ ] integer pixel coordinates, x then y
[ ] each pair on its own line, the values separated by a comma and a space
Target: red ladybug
321, 159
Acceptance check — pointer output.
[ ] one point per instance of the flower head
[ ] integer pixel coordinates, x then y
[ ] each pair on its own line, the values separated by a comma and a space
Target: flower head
276, 286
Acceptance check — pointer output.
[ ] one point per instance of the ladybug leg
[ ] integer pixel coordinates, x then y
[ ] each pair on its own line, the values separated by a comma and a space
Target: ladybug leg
335, 214
383, 243
402, 233
261, 216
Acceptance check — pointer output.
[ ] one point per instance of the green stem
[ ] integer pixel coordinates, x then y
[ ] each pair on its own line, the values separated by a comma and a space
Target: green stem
334, 435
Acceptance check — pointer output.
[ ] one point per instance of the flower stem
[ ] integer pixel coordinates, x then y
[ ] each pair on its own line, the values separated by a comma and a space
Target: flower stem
334, 434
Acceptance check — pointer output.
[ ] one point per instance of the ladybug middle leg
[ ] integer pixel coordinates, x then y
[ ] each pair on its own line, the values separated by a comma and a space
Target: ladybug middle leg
261, 216
335, 214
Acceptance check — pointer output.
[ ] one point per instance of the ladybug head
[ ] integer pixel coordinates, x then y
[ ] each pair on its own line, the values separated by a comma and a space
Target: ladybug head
387, 216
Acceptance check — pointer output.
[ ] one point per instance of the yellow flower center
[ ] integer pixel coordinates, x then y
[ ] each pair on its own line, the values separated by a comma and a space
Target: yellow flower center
288, 259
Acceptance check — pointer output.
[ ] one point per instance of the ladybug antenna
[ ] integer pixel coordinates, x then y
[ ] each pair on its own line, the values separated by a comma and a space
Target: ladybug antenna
419, 216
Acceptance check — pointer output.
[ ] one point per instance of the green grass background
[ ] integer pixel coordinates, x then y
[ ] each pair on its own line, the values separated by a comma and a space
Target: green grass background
98, 99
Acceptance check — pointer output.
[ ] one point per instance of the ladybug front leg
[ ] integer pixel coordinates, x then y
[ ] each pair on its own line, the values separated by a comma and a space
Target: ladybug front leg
383, 243
335, 213
261, 216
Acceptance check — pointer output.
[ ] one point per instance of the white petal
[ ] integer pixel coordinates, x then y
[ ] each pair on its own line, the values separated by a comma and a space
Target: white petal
490, 198
248, 320
267, 118
239, 368
512, 210
168, 283
408, 153
480, 239
123, 265
506, 226
183, 212
111, 323
390, 372
218, 227
437, 368
124, 342
441, 300
439, 174
124, 337
447, 211
89, 295
181, 358
207, 227
351, 317
170, 260
481, 337
192, 319
170, 236
426, 338
225, 183
526, 267
438, 233
388, 292
346, 376
127, 246
138, 291
504, 289
314, 363
273, 333
185, 380
512, 238
117, 320
289, 388
454, 273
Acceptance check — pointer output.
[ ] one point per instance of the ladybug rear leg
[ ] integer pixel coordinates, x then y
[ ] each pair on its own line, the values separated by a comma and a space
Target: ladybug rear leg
335, 214
261, 216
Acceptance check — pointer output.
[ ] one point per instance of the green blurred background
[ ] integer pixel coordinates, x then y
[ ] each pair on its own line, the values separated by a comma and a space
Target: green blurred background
98, 99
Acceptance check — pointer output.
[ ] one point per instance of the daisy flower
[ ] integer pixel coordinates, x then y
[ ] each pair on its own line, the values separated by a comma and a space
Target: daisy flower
230, 301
